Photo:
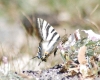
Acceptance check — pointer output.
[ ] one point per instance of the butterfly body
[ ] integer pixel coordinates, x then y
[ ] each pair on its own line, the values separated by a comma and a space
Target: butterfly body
49, 41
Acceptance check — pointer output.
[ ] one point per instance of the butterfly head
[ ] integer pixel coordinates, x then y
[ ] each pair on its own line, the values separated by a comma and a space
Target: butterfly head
43, 58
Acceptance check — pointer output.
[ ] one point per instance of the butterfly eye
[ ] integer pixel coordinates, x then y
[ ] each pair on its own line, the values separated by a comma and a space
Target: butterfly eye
44, 59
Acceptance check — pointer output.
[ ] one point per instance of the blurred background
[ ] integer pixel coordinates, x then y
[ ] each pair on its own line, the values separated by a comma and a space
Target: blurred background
19, 36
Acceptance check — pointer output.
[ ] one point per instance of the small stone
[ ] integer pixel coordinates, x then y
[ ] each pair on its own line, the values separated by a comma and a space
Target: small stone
63, 79
23, 71
15, 72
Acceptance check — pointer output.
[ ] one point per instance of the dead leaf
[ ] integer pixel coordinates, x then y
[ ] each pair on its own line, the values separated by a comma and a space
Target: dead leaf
81, 55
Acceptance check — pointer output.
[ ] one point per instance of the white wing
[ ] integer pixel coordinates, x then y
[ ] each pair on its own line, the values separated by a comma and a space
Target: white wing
48, 34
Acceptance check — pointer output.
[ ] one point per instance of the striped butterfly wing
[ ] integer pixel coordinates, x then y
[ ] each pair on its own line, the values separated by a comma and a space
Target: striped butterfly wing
49, 36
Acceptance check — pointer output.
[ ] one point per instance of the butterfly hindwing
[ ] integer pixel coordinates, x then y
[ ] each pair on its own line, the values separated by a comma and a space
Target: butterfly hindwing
49, 38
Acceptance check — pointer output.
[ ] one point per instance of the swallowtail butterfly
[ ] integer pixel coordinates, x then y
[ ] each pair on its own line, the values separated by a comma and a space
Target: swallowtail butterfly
50, 39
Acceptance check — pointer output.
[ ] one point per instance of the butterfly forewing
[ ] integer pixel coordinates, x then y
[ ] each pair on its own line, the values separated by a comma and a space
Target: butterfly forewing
49, 36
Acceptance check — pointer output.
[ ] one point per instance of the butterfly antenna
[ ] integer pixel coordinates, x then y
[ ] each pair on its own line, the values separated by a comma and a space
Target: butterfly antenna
34, 57
39, 63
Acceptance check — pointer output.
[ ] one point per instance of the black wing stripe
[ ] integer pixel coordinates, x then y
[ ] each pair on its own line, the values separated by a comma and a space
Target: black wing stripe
46, 25
47, 32
52, 37
52, 30
58, 38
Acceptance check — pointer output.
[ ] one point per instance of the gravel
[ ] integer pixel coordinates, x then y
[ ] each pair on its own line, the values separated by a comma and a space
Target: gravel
53, 73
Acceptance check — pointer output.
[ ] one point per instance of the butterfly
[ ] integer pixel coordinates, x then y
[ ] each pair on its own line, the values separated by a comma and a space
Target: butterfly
49, 39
